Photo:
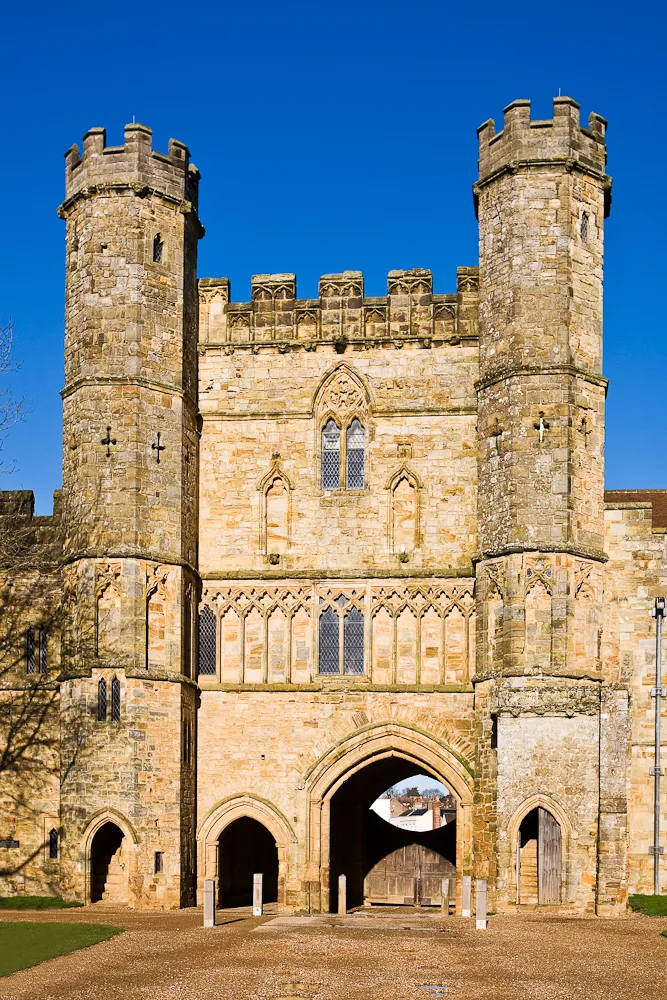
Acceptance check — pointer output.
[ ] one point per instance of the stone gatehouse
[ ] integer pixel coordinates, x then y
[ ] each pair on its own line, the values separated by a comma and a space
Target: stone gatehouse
307, 548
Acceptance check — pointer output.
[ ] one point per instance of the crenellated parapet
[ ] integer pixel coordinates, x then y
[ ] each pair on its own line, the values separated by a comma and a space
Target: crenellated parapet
134, 166
559, 140
342, 314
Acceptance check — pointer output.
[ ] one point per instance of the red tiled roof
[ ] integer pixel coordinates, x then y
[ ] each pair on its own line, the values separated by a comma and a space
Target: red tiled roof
658, 499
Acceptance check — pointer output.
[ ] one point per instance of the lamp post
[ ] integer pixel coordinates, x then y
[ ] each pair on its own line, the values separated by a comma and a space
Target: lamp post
658, 692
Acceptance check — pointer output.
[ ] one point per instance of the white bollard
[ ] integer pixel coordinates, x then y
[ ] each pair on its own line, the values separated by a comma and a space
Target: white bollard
444, 904
257, 901
466, 893
480, 904
209, 902
342, 893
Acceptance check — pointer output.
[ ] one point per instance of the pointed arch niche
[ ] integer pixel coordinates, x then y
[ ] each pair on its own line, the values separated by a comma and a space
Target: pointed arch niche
108, 612
274, 530
404, 509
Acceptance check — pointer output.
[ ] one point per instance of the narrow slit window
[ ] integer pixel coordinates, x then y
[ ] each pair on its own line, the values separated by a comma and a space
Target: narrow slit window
42, 650
158, 249
329, 642
53, 844
30, 651
208, 630
353, 642
115, 700
159, 862
584, 228
102, 700
331, 456
356, 440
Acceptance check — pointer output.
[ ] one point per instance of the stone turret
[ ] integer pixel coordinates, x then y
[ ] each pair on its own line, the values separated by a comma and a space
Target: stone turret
130, 487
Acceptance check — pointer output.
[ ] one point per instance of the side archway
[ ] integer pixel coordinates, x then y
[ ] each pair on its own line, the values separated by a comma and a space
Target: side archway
539, 835
383, 746
226, 813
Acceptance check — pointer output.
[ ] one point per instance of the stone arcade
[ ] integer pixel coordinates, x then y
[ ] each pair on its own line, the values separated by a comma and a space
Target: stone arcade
307, 548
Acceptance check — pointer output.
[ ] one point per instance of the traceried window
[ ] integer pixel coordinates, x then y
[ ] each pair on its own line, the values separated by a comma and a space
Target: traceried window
30, 651
53, 844
331, 456
583, 231
341, 638
356, 439
354, 642
158, 249
329, 642
115, 700
102, 700
208, 630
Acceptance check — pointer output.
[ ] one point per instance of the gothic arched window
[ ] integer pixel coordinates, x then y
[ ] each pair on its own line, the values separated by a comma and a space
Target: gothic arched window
329, 642
30, 651
158, 249
208, 631
115, 700
53, 844
102, 700
584, 228
331, 456
356, 440
42, 650
353, 642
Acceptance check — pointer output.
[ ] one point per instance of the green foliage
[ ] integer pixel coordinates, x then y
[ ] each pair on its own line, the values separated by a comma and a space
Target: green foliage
651, 906
23, 944
36, 903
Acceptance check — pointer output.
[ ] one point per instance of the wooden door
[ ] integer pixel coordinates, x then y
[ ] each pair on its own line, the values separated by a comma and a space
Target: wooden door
549, 859
411, 874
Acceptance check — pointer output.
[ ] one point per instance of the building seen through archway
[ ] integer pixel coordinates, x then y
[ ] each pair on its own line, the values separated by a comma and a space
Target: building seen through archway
387, 862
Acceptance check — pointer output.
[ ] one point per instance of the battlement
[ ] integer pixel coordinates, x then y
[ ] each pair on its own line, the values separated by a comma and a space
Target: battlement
342, 314
526, 142
135, 165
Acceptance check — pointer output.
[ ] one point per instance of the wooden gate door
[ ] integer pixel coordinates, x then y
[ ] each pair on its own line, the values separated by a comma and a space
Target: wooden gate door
549, 858
411, 874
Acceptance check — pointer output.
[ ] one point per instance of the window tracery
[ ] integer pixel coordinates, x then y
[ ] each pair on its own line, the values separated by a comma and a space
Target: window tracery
342, 404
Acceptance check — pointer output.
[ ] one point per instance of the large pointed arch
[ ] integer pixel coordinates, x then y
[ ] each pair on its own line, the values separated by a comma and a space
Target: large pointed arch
341, 372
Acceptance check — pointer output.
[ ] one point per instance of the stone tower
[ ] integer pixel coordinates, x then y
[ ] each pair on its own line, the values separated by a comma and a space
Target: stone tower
542, 196
130, 486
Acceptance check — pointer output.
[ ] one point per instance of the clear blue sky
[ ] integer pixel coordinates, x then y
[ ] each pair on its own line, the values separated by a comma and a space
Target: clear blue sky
331, 136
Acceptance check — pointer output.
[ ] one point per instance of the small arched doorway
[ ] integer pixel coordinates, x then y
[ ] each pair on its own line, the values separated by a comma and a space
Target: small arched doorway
246, 848
109, 865
539, 853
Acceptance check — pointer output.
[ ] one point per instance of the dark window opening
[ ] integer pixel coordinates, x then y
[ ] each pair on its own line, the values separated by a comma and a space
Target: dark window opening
208, 628
584, 227
30, 651
115, 700
158, 249
494, 732
53, 844
42, 650
159, 862
102, 700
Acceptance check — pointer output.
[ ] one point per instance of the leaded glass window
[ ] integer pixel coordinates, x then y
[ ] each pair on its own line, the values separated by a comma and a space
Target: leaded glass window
115, 700
329, 642
584, 227
353, 642
53, 844
30, 651
208, 630
42, 650
331, 456
102, 700
355, 456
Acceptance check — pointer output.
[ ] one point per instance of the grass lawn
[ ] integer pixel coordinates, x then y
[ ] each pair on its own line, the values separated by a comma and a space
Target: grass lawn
652, 906
36, 903
23, 944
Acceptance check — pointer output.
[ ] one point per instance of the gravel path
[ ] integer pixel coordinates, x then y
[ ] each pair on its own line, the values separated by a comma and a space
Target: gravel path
170, 956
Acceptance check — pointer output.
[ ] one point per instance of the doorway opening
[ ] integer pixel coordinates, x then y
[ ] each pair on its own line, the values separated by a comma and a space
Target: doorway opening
246, 848
108, 866
539, 859
399, 860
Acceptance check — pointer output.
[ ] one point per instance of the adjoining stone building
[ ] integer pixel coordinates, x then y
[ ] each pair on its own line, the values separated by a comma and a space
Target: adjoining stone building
307, 548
